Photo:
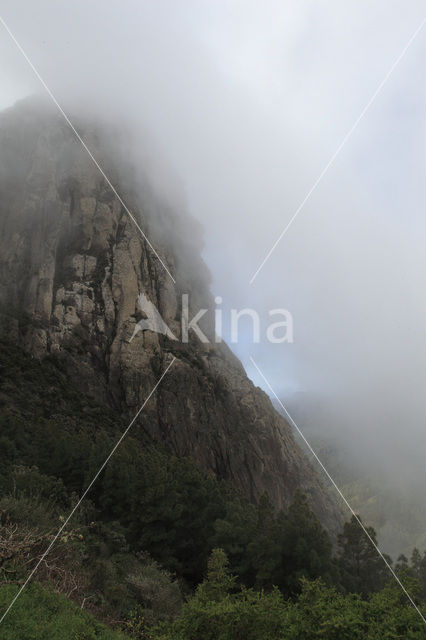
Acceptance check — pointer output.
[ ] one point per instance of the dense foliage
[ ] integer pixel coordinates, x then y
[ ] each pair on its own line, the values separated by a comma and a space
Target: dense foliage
146, 500
40, 614
218, 611
158, 549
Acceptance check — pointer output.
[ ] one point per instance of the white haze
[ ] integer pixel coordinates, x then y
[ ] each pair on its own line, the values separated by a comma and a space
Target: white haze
247, 101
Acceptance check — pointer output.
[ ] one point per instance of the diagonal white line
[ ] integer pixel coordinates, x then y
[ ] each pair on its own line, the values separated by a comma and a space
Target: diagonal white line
338, 490
92, 157
338, 150
92, 482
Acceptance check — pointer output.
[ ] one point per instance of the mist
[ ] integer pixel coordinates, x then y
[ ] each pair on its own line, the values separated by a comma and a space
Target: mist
245, 103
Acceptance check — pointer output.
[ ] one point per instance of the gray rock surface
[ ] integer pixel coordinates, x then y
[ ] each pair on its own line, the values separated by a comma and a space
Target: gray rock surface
72, 264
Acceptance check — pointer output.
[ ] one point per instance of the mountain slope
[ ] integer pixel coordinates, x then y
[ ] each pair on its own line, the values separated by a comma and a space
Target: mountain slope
71, 268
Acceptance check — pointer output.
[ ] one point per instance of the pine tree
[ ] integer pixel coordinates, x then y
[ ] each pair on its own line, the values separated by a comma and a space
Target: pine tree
416, 559
219, 581
362, 569
306, 547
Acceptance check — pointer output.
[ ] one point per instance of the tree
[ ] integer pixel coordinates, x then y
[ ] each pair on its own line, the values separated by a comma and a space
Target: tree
390, 615
422, 575
269, 549
324, 613
362, 569
416, 559
306, 547
158, 597
264, 551
401, 564
219, 582
234, 532
167, 506
217, 612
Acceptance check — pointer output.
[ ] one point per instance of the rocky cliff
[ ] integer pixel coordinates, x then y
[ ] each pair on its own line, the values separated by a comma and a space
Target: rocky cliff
72, 264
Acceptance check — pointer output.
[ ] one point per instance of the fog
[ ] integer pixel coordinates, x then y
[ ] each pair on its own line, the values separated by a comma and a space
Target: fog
246, 102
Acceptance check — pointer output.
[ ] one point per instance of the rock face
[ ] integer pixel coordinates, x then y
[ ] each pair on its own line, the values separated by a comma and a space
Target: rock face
72, 264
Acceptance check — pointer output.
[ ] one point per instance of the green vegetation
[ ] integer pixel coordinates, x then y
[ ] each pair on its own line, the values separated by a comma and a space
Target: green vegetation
218, 611
159, 550
39, 613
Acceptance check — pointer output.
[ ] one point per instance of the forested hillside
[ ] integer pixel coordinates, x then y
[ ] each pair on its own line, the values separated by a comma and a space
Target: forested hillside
159, 549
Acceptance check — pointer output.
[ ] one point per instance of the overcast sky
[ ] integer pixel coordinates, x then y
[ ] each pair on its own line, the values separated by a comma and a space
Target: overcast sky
247, 102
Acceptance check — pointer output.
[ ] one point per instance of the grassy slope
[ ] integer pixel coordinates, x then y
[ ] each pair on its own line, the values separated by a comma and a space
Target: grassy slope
39, 614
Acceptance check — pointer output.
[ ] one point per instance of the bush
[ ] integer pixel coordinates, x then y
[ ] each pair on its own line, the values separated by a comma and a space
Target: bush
158, 594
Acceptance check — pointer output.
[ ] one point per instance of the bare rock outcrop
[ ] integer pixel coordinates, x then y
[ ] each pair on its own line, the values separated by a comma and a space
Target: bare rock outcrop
72, 264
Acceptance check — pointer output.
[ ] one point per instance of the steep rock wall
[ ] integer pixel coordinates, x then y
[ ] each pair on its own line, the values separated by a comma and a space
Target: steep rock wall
72, 264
